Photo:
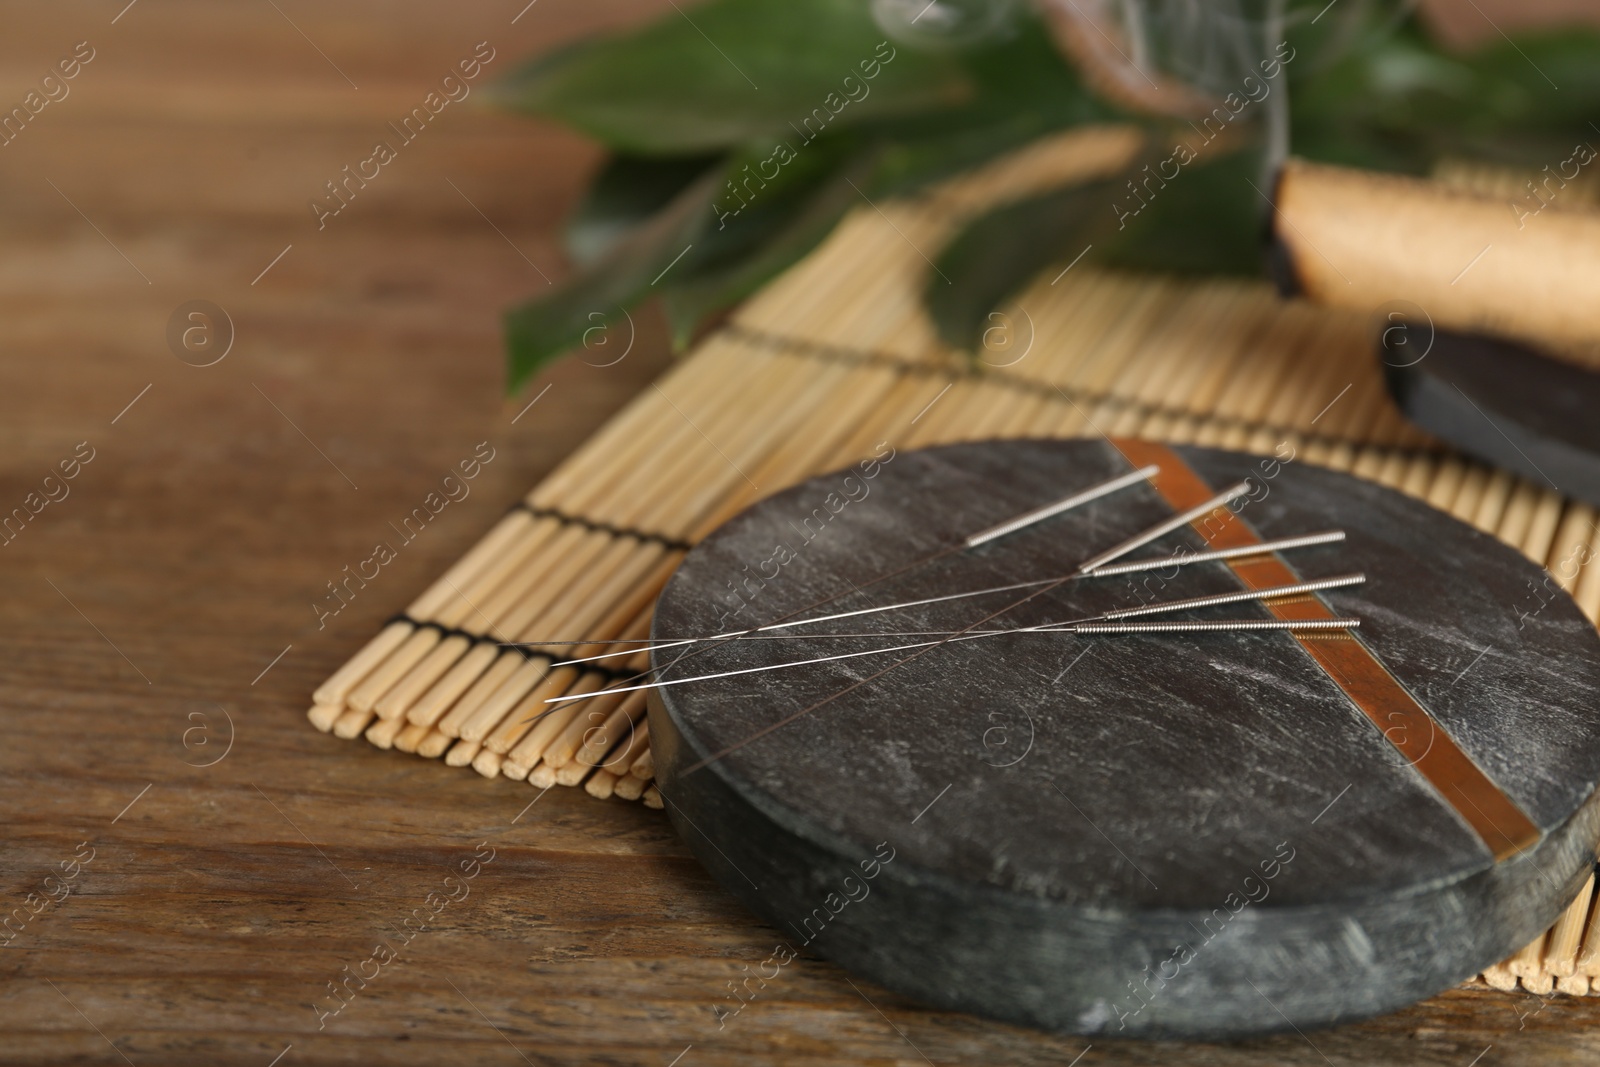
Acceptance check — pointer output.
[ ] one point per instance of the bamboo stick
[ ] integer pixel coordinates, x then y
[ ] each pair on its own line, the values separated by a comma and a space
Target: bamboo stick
322, 716
490, 547
398, 683
853, 404
610, 551
1587, 592
1588, 961
382, 732
406, 689
587, 552
463, 608
804, 405
639, 662
947, 410
1262, 376
487, 763
434, 744
714, 451
475, 665
1494, 503
1256, 319
644, 768
592, 715
1500, 977
1577, 985
613, 743
410, 737
551, 719
630, 616
530, 712
1561, 953
493, 599
510, 671
1529, 962
504, 685
1567, 545
816, 282
630, 788
601, 784
1540, 983
1058, 311
596, 603
551, 608
633, 427
417, 645
336, 688
483, 721
462, 753
350, 724
1448, 476
1420, 472
1537, 538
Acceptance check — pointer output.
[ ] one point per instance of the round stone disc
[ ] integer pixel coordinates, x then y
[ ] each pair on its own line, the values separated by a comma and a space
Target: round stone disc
1183, 835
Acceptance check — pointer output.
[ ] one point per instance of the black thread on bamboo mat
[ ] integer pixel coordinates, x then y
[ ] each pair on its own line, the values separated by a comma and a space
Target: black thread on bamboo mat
602, 527
865, 358
444, 631
612, 674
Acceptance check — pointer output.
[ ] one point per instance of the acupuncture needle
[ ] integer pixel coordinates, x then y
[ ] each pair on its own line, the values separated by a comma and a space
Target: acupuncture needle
1094, 492
1180, 559
1214, 625
1010, 526
1166, 526
1145, 626
1339, 581
1085, 628
868, 680
1109, 618
1037, 515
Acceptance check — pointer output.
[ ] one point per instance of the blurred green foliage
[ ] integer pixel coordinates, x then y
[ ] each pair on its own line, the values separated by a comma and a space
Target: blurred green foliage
741, 131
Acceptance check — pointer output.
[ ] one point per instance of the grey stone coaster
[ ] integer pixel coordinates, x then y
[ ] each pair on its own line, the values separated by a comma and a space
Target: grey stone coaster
1184, 835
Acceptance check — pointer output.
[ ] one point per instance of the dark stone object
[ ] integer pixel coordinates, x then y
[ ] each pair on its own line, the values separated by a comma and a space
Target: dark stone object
1153, 835
1501, 401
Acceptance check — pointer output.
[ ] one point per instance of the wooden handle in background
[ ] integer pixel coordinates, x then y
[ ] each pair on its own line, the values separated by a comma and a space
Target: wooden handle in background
1358, 239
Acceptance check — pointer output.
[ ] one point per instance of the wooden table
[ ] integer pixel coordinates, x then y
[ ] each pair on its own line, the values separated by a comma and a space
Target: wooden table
169, 593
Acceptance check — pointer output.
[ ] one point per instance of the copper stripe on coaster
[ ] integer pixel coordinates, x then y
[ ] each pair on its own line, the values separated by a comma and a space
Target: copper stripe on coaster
1503, 827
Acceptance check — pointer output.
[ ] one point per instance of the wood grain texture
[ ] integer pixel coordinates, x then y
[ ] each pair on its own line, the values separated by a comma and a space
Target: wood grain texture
220, 904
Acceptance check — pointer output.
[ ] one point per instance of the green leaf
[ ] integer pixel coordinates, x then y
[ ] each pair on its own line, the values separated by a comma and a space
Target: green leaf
1000, 252
788, 235
599, 295
764, 185
1394, 100
731, 71
1025, 89
624, 195
1208, 219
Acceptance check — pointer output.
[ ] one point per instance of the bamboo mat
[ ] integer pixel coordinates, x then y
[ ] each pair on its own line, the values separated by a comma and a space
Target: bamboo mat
811, 374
